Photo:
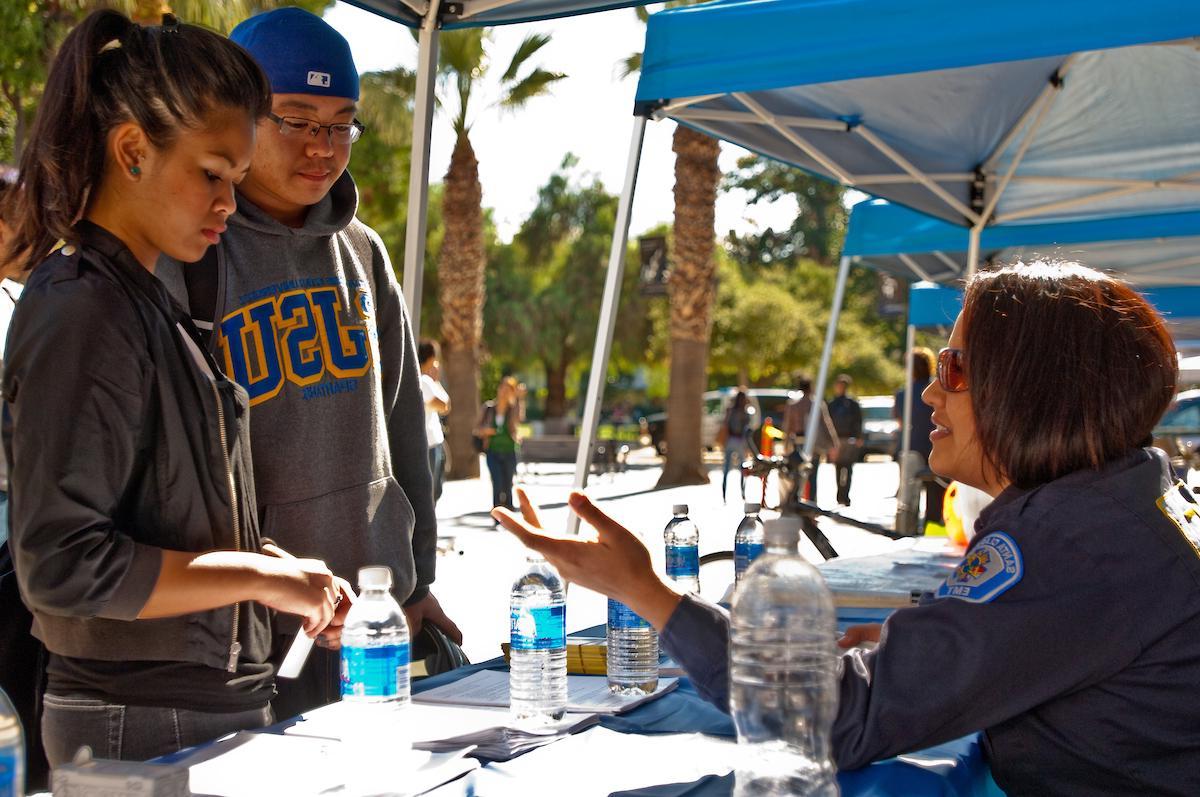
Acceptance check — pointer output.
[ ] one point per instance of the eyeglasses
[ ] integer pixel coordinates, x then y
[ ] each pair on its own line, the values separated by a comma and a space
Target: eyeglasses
952, 370
339, 132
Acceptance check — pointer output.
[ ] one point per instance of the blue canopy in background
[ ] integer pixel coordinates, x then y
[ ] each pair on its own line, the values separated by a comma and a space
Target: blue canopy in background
1094, 105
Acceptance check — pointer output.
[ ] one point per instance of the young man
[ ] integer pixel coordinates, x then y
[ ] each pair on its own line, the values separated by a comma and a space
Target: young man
846, 414
437, 404
306, 314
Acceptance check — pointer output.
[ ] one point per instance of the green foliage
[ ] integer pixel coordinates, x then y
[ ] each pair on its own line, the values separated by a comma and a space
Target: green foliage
820, 224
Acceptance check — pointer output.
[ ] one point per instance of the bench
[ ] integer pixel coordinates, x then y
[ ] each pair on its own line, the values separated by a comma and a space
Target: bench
608, 456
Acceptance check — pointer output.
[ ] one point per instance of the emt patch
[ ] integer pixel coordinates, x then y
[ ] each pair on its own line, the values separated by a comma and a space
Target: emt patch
989, 569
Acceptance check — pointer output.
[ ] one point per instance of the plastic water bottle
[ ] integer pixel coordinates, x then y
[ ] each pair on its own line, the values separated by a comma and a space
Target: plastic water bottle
632, 656
537, 678
375, 687
682, 539
748, 541
12, 751
783, 682
375, 652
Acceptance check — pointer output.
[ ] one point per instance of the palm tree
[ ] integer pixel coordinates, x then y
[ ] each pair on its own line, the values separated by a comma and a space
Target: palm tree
691, 290
463, 63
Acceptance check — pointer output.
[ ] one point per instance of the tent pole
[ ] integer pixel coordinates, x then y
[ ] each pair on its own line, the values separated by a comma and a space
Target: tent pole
818, 395
910, 343
608, 317
418, 177
973, 249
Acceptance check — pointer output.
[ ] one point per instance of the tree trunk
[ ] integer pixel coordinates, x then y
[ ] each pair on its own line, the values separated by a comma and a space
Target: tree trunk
556, 388
691, 290
461, 295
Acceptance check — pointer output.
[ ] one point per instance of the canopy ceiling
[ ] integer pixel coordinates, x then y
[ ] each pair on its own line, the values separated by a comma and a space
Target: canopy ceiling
477, 13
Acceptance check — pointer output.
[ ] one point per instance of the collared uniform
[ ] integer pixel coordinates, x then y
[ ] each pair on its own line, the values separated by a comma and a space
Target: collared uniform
1069, 634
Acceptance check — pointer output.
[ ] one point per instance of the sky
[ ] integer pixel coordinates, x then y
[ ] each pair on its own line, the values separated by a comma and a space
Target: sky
590, 114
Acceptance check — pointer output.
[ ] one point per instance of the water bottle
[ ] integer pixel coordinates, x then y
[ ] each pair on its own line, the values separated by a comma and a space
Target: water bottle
632, 656
747, 541
537, 677
783, 674
375, 643
12, 751
682, 539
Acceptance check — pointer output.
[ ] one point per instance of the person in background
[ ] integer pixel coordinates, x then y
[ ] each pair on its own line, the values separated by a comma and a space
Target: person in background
847, 418
499, 426
736, 428
922, 426
307, 315
134, 534
795, 426
437, 404
1069, 634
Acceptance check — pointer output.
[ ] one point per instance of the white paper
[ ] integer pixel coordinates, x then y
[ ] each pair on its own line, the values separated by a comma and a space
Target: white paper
585, 693
254, 764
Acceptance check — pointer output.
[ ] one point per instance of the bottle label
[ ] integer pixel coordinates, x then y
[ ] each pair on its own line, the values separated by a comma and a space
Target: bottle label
683, 561
621, 616
375, 672
743, 554
11, 761
540, 628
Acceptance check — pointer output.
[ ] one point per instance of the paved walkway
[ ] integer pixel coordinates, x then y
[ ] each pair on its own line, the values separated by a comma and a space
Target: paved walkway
476, 571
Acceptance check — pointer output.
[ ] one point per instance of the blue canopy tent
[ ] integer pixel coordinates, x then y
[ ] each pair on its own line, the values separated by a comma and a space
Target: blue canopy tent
430, 17
974, 113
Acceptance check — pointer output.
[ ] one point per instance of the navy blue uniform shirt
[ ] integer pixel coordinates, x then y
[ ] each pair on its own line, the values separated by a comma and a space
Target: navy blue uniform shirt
1069, 634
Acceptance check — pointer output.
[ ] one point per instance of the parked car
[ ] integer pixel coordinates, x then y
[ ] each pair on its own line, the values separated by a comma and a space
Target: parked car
766, 402
880, 430
1178, 433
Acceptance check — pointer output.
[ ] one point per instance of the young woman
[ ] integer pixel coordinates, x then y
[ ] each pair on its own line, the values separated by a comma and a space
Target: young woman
736, 428
134, 532
499, 425
1070, 634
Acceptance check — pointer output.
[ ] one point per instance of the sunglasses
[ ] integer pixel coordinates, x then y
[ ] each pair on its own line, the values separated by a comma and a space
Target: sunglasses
952, 370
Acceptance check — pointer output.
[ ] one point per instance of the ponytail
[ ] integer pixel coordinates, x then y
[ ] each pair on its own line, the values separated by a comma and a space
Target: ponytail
109, 71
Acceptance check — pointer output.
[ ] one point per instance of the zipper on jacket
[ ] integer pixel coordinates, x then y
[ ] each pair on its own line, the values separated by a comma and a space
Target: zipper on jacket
235, 647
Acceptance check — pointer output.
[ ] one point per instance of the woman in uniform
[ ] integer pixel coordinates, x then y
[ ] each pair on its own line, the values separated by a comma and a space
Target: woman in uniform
1070, 633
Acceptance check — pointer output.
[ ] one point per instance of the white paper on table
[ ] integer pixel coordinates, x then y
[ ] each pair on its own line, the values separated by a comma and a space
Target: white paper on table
585, 693
634, 761
254, 764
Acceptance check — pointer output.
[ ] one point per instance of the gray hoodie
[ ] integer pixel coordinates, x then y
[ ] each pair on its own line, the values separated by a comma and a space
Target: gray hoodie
311, 322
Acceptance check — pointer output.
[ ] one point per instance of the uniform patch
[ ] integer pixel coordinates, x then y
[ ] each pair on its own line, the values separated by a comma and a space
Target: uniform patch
1179, 505
987, 571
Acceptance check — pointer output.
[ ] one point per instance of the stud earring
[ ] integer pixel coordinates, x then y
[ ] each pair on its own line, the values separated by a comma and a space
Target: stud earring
136, 171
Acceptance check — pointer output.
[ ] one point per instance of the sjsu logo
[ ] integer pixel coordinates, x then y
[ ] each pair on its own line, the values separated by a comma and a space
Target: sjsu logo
298, 336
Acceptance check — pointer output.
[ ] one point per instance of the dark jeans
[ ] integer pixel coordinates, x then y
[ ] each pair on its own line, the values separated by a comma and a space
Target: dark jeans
502, 468
320, 680
437, 467
133, 733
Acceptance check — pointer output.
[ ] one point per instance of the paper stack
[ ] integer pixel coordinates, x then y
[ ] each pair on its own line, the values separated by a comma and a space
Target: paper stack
588, 655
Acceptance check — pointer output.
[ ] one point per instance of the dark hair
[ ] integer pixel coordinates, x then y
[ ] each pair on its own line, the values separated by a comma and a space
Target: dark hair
803, 383
426, 350
923, 364
108, 71
1068, 368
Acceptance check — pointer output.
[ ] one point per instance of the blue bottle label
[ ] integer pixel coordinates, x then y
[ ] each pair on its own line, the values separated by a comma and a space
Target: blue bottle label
11, 761
375, 672
743, 554
540, 628
683, 561
621, 616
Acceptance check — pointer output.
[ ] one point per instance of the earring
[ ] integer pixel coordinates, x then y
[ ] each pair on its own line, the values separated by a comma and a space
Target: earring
136, 171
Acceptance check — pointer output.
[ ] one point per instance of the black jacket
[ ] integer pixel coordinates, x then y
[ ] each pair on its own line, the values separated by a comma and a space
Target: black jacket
114, 433
1070, 635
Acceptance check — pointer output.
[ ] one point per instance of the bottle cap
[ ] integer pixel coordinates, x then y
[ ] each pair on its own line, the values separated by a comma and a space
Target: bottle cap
378, 577
679, 509
752, 508
782, 535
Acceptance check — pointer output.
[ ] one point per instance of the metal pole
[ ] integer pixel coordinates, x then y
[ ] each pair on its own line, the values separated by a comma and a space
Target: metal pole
973, 249
910, 343
418, 177
818, 396
608, 317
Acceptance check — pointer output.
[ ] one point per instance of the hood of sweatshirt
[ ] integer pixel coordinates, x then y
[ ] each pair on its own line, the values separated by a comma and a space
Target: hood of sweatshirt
329, 216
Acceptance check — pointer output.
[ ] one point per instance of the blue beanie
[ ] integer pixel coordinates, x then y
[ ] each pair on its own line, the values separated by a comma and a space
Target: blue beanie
300, 52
